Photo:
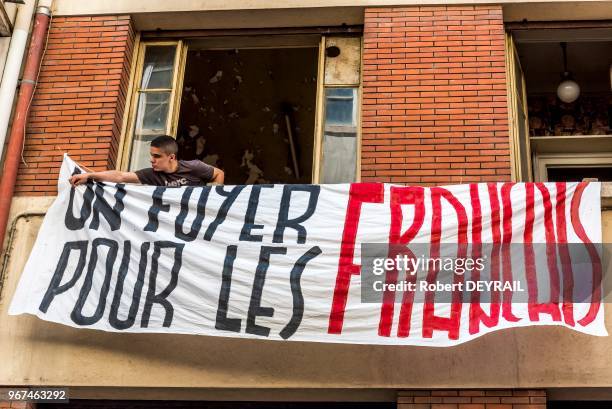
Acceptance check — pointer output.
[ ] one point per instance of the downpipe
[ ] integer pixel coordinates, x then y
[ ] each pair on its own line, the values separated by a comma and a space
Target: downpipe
12, 67
5, 42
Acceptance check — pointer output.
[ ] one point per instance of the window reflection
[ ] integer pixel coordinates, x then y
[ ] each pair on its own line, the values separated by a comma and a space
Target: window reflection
339, 149
340, 106
152, 112
158, 67
153, 107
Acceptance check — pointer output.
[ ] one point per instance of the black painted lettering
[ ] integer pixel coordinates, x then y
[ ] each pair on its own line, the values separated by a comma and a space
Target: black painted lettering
223, 322
161, 298
77, 313
113, 317
255, 308
283, 213
111, 214
296, 292
157, 206
54, 286
77, 223
230, 198
249, 219
197, 222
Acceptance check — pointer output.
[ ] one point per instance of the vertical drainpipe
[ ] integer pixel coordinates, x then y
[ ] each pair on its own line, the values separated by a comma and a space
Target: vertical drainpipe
12, 68
26, 91
5, 42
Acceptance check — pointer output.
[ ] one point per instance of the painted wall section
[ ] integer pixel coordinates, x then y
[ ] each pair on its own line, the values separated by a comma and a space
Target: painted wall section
79, 102
434, 95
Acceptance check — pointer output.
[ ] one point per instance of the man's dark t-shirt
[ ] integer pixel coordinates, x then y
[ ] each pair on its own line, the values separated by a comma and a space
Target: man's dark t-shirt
188, 173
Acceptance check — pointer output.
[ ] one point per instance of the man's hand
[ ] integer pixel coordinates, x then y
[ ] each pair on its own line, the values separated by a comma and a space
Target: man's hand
79, 179
218, 176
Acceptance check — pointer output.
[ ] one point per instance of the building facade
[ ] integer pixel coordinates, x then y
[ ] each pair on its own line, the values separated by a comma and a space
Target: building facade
425, 93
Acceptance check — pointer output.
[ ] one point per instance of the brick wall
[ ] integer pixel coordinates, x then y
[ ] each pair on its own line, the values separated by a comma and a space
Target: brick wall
79, 101
434, 95
472, 399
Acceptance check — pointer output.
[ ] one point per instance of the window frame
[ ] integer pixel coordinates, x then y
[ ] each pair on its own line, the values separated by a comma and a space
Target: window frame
134, 92
517, 162
131, 104
568, 160
321, 107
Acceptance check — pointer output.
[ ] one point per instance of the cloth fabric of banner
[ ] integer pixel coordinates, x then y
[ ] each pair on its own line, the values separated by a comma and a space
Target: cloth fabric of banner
282, 262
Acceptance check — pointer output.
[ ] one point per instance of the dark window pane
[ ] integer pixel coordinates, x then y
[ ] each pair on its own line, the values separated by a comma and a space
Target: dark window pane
339, 160
603, 174
340, 105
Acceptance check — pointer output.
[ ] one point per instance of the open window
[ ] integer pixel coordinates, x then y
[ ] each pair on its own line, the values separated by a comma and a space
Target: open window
157, 94
266, 109
339, 149
568, 132
519, 126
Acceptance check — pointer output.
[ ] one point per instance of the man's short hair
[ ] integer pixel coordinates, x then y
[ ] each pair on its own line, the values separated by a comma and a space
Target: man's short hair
166, 143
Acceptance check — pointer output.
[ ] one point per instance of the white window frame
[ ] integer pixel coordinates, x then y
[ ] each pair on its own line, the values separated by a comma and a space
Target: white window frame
568, 160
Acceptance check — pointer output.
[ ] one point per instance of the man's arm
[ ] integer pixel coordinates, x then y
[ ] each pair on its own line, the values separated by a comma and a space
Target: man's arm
114, 176
218, 176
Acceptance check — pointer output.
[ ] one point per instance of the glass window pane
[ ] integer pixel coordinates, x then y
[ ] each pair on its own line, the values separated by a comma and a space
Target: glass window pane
339, 158
340, 136
152, 112
151, 120
140, 152
158, 67
340, 106
577, 174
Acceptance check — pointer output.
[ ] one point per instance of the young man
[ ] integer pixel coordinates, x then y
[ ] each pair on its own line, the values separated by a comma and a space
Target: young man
165, 170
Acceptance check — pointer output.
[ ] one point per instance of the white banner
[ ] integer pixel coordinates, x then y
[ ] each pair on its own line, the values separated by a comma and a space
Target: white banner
282, 262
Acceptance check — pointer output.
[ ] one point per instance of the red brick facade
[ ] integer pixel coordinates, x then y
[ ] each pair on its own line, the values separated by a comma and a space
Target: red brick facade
79, 101
434, 95
472, 399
